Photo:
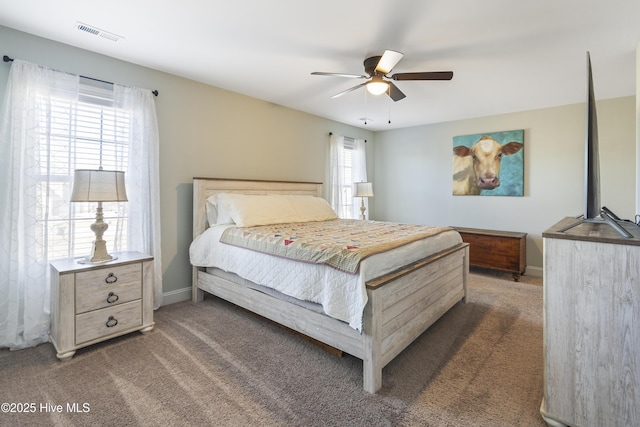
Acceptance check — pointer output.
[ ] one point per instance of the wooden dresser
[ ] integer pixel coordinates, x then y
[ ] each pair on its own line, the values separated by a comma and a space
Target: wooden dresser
591, 326
495, 249
95, 302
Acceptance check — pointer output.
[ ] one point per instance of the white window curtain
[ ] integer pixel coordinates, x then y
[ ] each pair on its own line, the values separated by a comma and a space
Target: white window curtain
143, 177
347, 165
29, 190
359, 174
335, 180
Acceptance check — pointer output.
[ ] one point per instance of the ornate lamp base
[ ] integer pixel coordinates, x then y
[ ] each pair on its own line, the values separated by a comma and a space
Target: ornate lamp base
362, 210
99, 252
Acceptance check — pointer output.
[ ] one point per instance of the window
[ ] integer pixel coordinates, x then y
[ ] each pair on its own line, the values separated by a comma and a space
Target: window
346, 207
79, 134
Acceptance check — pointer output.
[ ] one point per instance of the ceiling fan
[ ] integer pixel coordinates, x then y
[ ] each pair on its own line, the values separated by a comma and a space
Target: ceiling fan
377, 69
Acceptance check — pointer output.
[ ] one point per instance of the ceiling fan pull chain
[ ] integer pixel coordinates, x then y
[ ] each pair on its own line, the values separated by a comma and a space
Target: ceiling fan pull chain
365, 107
389, 102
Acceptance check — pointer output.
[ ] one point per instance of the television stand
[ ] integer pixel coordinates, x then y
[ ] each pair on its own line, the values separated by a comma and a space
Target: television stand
591, 316
606, 217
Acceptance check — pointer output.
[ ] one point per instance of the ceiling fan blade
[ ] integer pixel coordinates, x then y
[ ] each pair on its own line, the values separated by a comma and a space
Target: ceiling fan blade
427, 75
395, 93
349, 90
389, 60
353, 76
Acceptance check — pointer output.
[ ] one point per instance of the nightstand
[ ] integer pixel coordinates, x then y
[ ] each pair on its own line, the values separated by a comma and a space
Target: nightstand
95, 302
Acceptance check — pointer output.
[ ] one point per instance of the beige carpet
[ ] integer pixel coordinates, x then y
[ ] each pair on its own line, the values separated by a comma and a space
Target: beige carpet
214, 364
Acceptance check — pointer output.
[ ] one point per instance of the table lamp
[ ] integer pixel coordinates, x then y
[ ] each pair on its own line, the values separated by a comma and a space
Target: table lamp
363, 189
98, 185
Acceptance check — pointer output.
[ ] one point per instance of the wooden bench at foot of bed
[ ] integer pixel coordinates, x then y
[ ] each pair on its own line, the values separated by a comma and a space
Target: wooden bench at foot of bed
497, 250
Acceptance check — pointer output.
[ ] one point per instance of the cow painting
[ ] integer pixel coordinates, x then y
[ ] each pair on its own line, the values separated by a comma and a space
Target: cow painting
478, 161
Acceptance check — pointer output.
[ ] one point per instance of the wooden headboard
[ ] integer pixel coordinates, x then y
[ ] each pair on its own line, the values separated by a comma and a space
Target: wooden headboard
203, 188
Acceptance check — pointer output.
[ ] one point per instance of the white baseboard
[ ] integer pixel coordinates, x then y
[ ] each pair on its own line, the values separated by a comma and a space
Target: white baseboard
178, 295
534, 271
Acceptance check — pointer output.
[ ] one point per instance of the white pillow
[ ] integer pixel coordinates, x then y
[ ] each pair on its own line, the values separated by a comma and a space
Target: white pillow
217, 212
211, 209
223, 210
250, 210
309, 208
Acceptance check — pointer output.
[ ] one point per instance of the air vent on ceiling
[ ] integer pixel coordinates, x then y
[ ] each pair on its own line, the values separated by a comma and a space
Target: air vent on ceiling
97, 32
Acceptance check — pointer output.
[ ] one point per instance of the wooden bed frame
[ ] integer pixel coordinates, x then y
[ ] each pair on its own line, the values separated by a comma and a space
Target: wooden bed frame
401, 305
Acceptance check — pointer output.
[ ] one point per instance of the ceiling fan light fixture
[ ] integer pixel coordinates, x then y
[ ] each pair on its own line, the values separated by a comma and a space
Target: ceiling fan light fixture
377, 87
377, 69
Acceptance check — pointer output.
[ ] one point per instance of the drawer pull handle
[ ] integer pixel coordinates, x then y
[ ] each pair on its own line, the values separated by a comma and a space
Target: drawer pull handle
111, 278
111, 298
111, 322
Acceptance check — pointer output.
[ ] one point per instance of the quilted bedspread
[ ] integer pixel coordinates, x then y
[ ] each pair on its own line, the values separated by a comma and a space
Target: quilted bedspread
340, 243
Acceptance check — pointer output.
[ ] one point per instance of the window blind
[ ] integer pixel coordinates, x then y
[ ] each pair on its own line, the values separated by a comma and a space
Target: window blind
82, 133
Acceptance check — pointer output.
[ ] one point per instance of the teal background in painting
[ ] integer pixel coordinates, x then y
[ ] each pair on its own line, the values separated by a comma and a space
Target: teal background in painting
511, 168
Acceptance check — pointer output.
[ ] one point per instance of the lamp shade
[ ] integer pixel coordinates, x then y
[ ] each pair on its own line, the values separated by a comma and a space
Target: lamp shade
97, 185
363, 189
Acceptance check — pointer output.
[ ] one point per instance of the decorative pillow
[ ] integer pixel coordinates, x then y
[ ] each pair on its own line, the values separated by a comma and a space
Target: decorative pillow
247, 210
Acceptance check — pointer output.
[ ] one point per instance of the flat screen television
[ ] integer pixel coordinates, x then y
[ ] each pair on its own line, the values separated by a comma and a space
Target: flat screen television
593, 210
591, 157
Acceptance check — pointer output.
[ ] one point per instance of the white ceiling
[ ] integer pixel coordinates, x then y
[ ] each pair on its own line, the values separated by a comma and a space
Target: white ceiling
506, 55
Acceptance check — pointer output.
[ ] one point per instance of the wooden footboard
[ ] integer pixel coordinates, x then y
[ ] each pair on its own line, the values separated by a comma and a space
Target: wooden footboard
401, 305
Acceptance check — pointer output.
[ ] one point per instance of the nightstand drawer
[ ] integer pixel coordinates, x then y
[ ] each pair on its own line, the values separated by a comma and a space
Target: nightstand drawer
110, 276
108, 321
108, 287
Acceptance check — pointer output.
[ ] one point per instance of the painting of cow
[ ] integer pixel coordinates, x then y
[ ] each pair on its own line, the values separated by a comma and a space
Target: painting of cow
489, 164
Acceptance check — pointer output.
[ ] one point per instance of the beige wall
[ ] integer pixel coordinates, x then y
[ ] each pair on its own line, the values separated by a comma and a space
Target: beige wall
204, 131
413, 171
